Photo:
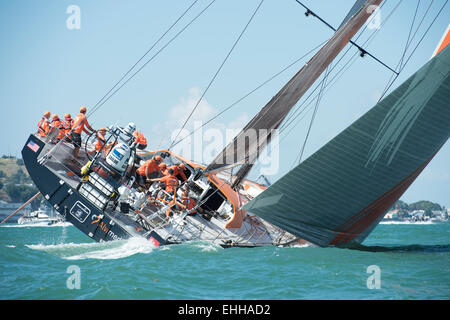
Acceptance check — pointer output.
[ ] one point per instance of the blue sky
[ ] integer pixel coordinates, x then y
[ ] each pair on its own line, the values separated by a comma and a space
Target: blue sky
44, 65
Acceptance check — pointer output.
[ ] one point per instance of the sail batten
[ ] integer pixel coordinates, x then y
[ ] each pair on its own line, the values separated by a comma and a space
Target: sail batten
270, 117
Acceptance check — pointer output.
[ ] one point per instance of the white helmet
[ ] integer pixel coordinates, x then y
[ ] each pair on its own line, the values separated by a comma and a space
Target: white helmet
130, 128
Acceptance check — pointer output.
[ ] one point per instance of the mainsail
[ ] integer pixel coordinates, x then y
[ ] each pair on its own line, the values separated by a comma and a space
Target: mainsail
247, 145
341, 192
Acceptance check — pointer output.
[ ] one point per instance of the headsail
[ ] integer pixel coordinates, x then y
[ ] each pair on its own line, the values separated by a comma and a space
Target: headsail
341, 192
247, 145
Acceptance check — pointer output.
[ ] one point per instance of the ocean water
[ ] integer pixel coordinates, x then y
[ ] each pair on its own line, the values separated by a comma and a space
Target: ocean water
411, 261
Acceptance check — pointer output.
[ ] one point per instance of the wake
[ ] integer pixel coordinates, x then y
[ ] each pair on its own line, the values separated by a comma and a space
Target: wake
39, 224
103, 251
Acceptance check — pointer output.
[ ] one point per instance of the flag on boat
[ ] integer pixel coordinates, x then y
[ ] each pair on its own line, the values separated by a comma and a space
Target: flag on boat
33, 146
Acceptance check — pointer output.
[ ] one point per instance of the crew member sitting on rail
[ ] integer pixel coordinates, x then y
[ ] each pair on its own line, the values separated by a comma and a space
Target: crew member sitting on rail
44, 124
101, 140
148, 171
141, 142
56, 131
67, 124
78, 127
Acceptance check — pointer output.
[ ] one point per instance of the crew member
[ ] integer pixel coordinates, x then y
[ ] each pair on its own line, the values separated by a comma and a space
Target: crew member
67, 124
169, 182
141, 141
189, 204
179, 171
44, 124
57, 128
101, 140
162, 169
79, 126
149, 170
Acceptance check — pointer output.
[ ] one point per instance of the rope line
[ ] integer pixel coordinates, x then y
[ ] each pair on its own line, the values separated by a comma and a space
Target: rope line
217, 73
145, 54
151, 59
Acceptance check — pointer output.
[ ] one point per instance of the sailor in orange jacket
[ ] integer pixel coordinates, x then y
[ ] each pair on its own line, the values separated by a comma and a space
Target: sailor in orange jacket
44, 124
101, 140
179, 171
79, 126
149, 170
67, 125
141, 141
189, 204
57, 128
162, 169
170, 182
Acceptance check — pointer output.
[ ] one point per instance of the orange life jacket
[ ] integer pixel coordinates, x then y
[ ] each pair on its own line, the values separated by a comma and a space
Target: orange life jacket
139, 138
108, 148
152, 166
43, 126
67, 124
163, 172
100, 141
57, 124
177, 171
171, 183
79, 123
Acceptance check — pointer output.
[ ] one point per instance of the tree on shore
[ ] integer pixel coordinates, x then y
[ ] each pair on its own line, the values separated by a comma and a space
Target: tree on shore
427, 206
22, 193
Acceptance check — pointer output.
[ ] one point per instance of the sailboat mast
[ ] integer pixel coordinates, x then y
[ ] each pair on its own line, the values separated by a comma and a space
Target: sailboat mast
263, 125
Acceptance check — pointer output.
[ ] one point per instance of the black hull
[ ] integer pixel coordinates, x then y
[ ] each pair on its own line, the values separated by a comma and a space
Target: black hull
98, 225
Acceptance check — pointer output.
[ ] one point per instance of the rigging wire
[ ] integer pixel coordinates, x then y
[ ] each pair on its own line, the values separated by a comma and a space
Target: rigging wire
249, 93
145, 54
268, 80
408, 42
103, 101
217, 73
308, 105
293, 114
414, 50
319, 98
410, 31
360, 48
175, 143
337, 76
152, 57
